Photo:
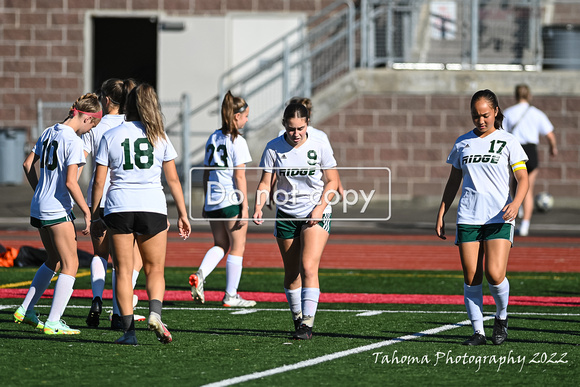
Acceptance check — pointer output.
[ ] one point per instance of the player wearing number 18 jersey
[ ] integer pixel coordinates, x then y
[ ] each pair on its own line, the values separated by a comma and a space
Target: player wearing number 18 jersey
137, 152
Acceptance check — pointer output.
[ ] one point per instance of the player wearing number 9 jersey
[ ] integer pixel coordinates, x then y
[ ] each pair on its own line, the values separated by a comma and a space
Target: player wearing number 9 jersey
485, 216
300, 163
60, 151
136, 153
226, 202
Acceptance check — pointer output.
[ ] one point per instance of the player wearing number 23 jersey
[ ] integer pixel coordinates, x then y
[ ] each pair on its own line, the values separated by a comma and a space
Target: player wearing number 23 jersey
485, 163
222, 154
58, 147
136, 168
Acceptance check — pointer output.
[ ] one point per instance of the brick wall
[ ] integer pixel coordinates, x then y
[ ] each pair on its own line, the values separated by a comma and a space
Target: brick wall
413, 134
42, 44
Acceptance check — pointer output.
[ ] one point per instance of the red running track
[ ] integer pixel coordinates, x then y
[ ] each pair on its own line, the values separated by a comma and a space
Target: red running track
361, 298
384, 252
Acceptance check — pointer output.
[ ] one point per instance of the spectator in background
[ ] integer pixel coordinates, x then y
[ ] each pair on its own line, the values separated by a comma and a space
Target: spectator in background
527, 123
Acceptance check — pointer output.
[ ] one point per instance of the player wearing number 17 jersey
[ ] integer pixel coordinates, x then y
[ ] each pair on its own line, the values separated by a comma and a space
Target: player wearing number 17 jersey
485, 216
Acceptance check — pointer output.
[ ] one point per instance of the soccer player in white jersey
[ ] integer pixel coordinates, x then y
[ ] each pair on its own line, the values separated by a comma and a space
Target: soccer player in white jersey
527, 123
112, 95
303, 210
60, 151
312, 133
226, 202
485, 216
136, 153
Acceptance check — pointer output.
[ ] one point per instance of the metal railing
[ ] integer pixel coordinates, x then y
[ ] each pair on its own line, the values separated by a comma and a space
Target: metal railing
399, 34
307, 58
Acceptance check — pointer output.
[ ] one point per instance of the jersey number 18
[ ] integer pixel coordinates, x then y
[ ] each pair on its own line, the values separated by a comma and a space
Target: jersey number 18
143, 152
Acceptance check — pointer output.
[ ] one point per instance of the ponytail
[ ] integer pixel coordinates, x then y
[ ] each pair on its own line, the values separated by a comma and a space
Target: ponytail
143, 104
116, 90
230, 107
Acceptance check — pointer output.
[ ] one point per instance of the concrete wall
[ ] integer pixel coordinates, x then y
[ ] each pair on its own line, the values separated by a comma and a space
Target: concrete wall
409, 120
43, 43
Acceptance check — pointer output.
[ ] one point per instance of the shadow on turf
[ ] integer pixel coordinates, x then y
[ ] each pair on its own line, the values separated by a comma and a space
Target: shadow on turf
277, 333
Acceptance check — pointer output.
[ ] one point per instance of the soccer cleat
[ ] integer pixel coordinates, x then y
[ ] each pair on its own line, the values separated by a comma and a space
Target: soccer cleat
157, 326
59, 328
95, 312
500, 331
128, 338
196, 282
297, 324
137, 317
29, 317
304, 332
476, 339
116, 322
237, 301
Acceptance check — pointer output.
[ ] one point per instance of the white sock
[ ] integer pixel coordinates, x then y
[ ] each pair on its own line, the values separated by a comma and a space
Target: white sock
473, 297
62, 293
524, 227
233, 273
294, 298
501, 294
310, 298
38, 286
115, 305
211, 260
135, 277
98, 274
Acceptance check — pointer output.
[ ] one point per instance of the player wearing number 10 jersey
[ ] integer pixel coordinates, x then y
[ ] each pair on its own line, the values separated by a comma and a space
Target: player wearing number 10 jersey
60, 152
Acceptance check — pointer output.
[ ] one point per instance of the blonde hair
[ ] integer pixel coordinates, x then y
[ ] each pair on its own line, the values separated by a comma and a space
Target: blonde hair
142, 102
85, 103
522, 92
230, 107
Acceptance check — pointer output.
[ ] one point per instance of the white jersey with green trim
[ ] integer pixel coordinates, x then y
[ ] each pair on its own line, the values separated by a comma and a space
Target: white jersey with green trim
299, 173
135, 168
485, 164
91, 142
58, 148
221, 153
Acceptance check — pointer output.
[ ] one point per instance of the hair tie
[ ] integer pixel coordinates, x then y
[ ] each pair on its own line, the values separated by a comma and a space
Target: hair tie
243, 108
98, 114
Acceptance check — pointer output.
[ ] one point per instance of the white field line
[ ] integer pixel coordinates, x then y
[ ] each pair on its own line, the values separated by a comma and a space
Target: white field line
359, 312
337, 355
